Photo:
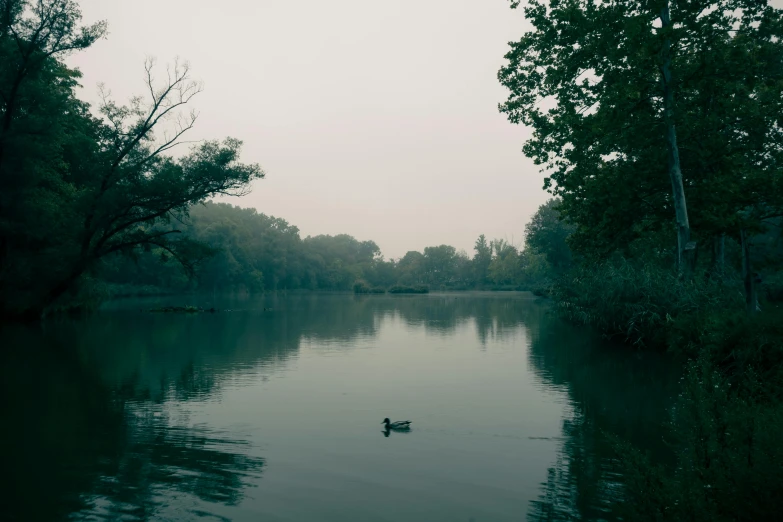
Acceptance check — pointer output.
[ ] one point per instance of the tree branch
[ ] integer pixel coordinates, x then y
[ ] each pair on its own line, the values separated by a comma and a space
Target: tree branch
135, 242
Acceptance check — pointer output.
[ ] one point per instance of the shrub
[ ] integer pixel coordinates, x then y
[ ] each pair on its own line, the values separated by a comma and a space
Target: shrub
541, 291
729, 460
130, 290
736, 344
638, 302
772, 288
360, 287
420, 289
725, 426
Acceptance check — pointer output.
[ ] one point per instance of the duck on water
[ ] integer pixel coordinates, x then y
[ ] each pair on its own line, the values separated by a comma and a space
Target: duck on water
397, 425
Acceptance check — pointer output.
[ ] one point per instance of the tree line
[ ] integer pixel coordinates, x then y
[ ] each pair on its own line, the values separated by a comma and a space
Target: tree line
248, 251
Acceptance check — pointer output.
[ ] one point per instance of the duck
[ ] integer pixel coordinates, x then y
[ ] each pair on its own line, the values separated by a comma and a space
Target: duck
397, 425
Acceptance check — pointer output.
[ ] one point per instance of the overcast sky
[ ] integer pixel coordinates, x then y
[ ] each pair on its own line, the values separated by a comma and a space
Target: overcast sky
373, 118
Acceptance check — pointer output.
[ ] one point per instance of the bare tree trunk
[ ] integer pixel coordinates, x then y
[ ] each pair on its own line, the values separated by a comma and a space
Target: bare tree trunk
686, 250
749, 277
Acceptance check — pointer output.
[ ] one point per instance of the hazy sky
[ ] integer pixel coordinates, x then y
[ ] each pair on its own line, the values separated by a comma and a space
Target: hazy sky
374, 118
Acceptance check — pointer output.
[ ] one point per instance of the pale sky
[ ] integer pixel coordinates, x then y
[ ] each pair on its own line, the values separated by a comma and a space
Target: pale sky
373, 118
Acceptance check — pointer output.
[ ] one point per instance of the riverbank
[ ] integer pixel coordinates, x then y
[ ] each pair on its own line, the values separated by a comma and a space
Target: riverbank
725, 425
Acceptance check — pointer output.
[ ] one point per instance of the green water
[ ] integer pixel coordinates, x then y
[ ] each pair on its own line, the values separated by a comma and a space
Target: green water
275, 415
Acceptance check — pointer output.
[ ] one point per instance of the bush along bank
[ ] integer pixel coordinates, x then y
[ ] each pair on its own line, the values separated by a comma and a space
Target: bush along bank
725, 426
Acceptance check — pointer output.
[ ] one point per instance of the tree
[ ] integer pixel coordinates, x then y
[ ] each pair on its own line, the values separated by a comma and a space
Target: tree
76, 188
44, 131
32, 39
506, 268
411, 268
481, 259
464, 272
440, 263
547, 234
623, 78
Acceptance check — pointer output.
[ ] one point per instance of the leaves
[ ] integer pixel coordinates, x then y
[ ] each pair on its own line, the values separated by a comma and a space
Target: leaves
587, 79
75, 188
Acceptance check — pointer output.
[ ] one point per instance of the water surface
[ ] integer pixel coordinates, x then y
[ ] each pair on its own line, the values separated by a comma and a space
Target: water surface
272, 411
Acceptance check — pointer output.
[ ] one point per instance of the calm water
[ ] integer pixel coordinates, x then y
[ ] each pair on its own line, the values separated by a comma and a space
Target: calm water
274, 415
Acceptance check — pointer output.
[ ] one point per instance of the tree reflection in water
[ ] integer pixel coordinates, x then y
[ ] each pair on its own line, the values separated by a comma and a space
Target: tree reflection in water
78, 448
163, 461
612, 391
95, 424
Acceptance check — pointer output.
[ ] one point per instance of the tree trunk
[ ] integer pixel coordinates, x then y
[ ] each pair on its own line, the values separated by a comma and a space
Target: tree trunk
719, 252
62, 287
686, 250
749, 278
718, 267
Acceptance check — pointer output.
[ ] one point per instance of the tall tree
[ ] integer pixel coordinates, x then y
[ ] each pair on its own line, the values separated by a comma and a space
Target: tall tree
546, 233
440, 263
411, 268
33, 35
75, 188
482, 258
506, 266
608, 90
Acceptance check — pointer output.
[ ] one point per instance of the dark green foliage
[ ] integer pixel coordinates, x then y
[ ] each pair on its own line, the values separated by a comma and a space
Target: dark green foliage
439, 264
250, 252
725, 427
622, 98
178, 310
639, 302
408, 290
361, 287
738, 345
116, 291
546, 233
482, 259
588, 79
772, 290
726, 437
541, 292
75, 189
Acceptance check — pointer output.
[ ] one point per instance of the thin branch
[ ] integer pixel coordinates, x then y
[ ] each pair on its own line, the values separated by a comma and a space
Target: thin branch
169, 144
186, 94
110, 233
136, 242
176, 218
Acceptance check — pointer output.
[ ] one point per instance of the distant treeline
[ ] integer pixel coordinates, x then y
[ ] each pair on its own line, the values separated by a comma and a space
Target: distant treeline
251, 252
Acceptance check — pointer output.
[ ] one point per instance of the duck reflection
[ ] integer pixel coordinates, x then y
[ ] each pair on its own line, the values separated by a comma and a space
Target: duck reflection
387, 431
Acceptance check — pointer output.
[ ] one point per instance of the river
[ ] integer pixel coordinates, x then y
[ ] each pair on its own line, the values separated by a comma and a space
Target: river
271, 410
